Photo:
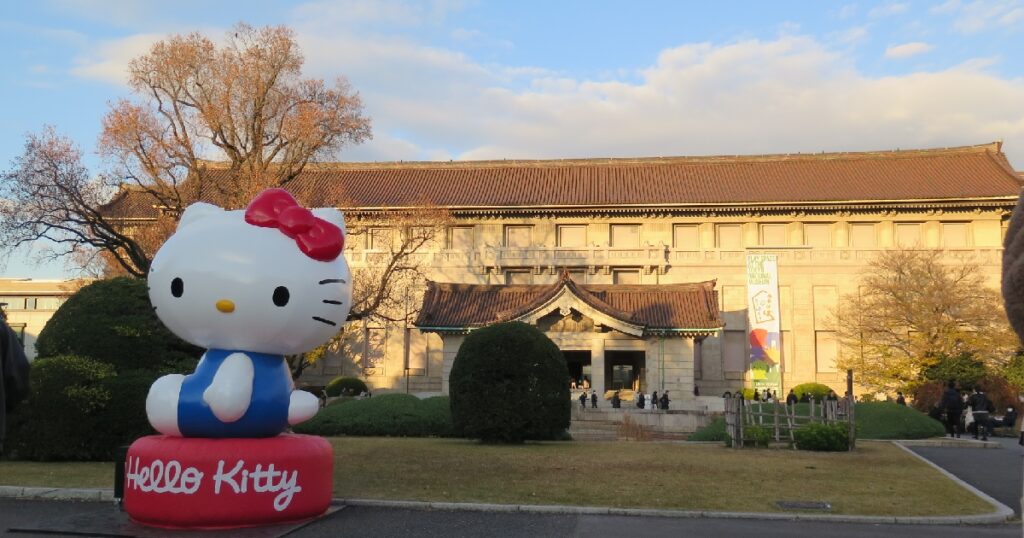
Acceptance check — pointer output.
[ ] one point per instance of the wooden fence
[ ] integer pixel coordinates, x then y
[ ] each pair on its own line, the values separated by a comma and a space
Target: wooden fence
783, 420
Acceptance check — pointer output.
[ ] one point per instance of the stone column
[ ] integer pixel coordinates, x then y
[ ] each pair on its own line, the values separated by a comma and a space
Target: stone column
597, 366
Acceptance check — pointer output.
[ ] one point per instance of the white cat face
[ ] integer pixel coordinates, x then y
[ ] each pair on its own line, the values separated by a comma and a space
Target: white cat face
220, 282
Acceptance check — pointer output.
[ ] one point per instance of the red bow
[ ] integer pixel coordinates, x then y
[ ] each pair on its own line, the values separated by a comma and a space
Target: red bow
317, 238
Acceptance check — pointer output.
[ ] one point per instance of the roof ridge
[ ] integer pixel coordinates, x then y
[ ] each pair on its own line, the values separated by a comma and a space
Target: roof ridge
993, 147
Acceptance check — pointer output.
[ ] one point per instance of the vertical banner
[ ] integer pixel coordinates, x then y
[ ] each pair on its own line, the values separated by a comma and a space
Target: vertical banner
764, 332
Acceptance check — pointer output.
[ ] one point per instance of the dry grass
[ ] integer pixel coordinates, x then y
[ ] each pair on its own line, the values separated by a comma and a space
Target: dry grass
878, 479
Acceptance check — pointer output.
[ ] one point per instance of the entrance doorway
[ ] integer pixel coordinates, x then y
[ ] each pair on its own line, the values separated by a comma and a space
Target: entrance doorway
625, 370
579, 368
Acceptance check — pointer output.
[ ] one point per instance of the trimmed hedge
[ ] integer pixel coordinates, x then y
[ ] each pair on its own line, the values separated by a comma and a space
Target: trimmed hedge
346, 386
715, 431
816, 390
79, 409
112, 321
886, 420
389, 415
823, 438
507, 385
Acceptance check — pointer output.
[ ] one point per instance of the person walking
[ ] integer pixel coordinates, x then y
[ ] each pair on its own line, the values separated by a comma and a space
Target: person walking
14, 369
583, 400
640, 400
952, 405
791, 398
654, 400
980, 408
593, 398
757, 396
664, 401
900, 400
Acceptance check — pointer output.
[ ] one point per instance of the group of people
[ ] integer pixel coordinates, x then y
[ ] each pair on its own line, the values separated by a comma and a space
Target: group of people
643, 401
770, 396
971, 413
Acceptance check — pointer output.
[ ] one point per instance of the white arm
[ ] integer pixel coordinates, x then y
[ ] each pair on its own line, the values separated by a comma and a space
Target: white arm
231, 390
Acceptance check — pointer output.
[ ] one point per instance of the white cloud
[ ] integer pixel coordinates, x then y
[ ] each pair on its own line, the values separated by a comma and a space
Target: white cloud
790, 94
888, 10
108, 61
906, 50
949, 6
982, 15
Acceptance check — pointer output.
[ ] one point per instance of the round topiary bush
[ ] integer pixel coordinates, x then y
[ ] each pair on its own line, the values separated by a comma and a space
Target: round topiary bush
112, 321
391, 415
79, 409
346, 386
507, 385
814, 390
887, 420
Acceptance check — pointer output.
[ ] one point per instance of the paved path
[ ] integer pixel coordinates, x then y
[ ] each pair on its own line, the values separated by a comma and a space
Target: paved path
405, 523
997, 472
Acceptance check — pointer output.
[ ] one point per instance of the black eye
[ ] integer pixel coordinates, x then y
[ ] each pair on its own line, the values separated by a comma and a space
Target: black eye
177, 287
281, 296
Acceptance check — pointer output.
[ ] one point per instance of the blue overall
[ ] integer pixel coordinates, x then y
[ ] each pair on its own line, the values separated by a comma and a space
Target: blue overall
267, 414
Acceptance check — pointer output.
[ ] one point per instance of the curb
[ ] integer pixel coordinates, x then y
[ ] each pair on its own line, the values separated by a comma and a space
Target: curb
1002, 513
946, 443
63, 494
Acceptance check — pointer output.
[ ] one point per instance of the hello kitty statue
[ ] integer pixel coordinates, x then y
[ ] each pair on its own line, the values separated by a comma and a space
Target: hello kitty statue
251, 287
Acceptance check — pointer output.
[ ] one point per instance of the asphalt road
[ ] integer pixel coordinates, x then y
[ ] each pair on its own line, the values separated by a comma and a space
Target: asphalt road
387, 522
999, 473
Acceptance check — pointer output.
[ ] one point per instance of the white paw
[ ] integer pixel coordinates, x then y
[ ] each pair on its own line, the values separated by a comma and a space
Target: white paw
162, 404
230, 391
302, 407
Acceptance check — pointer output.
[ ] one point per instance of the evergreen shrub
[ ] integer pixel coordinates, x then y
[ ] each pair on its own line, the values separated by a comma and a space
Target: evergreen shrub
346, 386
112, 321
79, 409
389, 415
887, 420
814, 390
823, 437
507, 385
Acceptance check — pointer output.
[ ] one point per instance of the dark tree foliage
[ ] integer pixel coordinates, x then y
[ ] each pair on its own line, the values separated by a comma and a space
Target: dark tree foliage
112, 321
508, 385
963, 368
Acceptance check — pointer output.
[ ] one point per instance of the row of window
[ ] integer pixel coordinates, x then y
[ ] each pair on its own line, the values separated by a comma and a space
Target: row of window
14, 302
687, 236
619, 276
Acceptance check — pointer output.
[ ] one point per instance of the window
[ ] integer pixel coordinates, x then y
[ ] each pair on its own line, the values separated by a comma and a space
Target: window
826, 351
380, 239
19, 303
572, 236
686, 237
374, 348
578, 276
954, 234
625, 235
818, 235
417, 351
908, 234
734, 351
49, 303
518, 277
773, 234
862, 235
625, 276
729, 236
460, 238
19, 331
518, 236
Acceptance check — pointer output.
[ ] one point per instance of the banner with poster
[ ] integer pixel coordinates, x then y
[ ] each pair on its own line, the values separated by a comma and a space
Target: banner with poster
763, 330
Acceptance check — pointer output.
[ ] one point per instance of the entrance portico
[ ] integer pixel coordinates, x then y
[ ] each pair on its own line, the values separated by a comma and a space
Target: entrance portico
638, 337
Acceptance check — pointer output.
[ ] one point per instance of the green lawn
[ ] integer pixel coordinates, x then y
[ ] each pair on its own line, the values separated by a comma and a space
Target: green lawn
877, 479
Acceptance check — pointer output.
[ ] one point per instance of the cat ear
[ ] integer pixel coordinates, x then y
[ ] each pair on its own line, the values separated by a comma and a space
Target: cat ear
331, 215
197, 211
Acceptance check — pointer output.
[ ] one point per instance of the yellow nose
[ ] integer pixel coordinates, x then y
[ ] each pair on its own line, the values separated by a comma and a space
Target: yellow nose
225, 306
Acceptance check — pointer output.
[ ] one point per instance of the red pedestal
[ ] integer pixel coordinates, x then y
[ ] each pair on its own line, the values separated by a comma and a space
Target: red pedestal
216, 483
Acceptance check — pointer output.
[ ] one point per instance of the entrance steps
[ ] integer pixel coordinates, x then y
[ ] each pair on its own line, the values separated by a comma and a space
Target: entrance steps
607, 424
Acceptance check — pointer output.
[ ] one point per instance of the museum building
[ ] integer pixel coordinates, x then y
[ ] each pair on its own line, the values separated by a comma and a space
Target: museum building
635, 267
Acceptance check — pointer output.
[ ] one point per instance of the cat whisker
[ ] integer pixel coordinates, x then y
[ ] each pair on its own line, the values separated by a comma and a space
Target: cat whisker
332, 281
322, 320
329, 301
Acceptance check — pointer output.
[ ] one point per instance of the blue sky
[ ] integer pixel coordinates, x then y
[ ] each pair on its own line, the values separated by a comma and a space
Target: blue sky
450, 79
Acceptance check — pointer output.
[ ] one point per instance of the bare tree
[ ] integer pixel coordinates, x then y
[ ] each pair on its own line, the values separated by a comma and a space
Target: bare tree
388, 281
912, 309
243, 104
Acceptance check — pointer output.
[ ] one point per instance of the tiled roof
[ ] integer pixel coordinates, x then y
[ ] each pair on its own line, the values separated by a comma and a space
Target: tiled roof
655, 307
969, 172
